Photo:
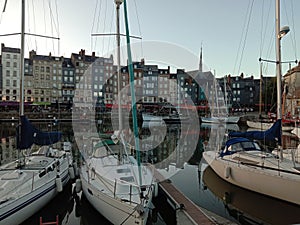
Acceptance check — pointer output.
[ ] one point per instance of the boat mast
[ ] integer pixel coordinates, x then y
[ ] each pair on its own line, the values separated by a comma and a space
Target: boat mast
278, 59
118, 3
225, 94
260, 91
132, 92
21, 112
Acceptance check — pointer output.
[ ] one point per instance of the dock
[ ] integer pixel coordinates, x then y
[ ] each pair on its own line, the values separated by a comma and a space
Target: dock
183, 209
187, 212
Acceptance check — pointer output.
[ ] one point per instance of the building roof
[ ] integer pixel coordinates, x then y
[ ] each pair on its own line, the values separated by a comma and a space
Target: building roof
9, 49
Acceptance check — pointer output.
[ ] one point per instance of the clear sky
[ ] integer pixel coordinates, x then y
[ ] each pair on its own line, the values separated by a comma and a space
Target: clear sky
233, 33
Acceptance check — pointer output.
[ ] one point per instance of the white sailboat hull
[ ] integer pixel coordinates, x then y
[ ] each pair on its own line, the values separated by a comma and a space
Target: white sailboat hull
229, 119
114, 199
160, 120
296, 131
30, 200
265, 126
116, 211
276, 184
152, 118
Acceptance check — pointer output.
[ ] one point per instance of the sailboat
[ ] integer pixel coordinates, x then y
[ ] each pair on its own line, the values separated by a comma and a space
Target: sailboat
242, 162
113, 180
245, 205
219, 114
29, 183
167, 114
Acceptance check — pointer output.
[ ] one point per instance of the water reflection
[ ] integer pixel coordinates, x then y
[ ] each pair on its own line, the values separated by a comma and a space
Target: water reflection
249, 207
8, 151
174, 157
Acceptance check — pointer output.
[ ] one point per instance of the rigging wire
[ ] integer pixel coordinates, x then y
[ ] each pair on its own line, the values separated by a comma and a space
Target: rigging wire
244, 33
28, 26
58, 32
51, 24
264, 22
245, 38
294, 27
139, 26
104, 25
4, 7
111, 27
98, 22
54, 23
93, 24
293, 37
44, 9
264, 26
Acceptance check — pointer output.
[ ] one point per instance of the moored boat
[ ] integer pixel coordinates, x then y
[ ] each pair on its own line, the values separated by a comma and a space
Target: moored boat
243, 163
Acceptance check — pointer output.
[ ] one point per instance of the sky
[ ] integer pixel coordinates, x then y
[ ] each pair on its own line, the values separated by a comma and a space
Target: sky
233, 34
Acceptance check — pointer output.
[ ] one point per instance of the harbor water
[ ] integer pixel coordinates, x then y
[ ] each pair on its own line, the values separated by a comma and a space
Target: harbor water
189, 173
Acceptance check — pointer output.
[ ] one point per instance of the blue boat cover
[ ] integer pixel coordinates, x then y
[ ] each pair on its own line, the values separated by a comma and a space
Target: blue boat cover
233, 141
27, 135
272, 134
237, 144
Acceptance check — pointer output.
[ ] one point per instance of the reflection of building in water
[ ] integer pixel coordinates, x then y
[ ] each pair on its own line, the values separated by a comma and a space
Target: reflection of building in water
170, 148
216, 133
8, 149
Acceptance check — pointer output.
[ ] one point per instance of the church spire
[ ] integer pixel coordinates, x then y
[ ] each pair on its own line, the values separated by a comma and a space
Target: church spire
200, 62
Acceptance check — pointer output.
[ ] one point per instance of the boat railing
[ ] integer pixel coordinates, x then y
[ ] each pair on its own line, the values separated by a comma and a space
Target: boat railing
126, 191
121, 188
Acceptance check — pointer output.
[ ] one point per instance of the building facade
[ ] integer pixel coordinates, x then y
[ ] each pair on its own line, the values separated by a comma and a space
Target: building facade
90, 79
10, 61
291, 92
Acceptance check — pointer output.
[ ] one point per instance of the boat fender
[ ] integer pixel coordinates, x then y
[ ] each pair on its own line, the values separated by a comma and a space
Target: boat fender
155, 189
78, 186
71, 172
227, 172
59, 186
76, 169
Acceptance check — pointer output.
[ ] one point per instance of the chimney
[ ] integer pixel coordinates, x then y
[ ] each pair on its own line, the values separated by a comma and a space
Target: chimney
82, 52
93, 54
32, 53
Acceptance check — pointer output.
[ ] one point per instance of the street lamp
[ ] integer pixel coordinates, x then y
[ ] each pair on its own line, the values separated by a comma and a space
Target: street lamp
283, 31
